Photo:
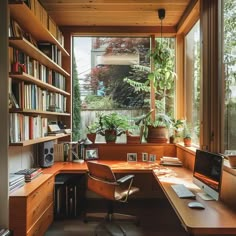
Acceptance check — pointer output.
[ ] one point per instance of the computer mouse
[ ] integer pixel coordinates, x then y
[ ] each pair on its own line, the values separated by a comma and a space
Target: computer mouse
196, 205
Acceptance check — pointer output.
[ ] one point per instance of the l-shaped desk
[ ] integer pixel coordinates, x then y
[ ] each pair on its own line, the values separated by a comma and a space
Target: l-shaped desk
216, 219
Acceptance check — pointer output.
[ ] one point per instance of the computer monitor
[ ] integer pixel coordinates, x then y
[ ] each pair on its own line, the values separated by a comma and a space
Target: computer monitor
207, 174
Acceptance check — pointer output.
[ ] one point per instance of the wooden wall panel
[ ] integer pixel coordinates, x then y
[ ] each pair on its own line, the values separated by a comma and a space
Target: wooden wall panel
147, 184
228, 189
119, 151
187, 157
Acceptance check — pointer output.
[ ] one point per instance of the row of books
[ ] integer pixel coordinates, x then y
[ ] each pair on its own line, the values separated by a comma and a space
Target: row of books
67, 151
15, 182
23, 127
30, 96
5, 232
41, 14
20, 62
51, 50
29, 174
170, 161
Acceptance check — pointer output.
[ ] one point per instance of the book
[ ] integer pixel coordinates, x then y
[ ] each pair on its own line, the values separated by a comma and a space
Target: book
170, 161
14, 178
5, 232
30, 178
28, 172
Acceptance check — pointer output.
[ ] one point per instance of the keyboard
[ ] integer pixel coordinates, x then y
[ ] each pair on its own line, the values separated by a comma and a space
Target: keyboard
182, 191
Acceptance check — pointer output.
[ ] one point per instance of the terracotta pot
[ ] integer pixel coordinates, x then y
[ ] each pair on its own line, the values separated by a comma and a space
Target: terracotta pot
172, 139
187, 142
157, 134
110, 136
133, 138
92, 137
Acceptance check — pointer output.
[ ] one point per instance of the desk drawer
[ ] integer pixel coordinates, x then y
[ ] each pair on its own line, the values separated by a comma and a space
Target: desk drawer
43, 223
38, 201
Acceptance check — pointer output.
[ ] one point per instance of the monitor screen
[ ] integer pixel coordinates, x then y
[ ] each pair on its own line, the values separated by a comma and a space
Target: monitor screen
207, 172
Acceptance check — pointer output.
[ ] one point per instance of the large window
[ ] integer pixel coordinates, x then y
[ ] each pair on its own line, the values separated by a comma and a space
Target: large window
230, 74
104, 67
192, 81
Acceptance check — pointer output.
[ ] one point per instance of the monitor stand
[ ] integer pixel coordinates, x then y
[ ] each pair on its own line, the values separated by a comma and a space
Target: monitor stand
205, 196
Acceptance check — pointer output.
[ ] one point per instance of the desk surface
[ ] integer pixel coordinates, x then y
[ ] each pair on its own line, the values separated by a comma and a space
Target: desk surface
216, 218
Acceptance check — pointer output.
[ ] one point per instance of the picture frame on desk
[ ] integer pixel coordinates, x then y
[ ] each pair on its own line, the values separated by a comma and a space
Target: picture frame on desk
152, 158
91, 154
144, 156
131, 157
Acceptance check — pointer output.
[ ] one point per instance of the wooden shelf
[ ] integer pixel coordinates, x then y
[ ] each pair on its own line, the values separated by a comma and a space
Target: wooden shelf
16, 110
26, 77
39, 140
30, 23
25, 46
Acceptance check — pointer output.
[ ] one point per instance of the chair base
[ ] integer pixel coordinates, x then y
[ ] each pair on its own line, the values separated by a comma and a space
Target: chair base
110, 220
109, 228
110, 217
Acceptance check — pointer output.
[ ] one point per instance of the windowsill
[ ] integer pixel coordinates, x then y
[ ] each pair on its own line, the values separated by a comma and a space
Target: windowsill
191, 150
227, 168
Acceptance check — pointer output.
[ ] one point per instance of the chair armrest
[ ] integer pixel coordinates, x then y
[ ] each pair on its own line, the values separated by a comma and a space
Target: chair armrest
125, 178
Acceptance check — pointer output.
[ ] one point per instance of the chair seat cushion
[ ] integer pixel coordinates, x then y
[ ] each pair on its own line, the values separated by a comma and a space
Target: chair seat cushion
122, 193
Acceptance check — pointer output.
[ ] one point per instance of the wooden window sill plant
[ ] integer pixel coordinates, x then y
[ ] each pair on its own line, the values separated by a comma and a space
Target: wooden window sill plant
112, 125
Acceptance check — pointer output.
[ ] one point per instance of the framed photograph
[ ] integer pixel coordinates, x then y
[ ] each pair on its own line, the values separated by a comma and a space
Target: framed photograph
16, 29
131, 156
152, 158
144, 156
91, 154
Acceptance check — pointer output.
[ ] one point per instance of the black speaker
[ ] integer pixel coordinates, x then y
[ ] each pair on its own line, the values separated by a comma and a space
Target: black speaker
45, 154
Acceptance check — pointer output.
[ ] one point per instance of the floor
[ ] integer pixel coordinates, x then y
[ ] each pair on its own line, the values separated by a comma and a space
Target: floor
157, 218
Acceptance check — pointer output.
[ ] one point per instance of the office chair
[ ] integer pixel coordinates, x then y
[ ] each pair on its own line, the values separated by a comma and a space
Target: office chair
103, 182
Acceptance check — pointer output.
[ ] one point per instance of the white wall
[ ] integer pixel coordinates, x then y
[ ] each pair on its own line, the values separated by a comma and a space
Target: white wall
20, 158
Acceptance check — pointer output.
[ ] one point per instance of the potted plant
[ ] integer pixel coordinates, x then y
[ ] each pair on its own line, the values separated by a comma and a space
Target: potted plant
187, 135
187, 140
162, 78
112, 125
92, 129
157, 130
177, 129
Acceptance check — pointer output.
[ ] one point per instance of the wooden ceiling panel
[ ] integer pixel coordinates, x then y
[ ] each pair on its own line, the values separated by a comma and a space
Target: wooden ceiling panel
115, 12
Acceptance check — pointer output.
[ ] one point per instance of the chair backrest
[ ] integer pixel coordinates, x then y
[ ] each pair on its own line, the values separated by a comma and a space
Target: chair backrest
101, 171
101, 180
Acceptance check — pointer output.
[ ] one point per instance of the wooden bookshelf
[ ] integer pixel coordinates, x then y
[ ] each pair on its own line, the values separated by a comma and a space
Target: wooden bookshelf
15, 110
39, 140
28, 48
26, 77
37, 26
27, 20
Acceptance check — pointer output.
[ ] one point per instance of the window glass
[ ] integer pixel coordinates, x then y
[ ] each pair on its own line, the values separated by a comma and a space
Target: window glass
230, 75
104, 66
192, 82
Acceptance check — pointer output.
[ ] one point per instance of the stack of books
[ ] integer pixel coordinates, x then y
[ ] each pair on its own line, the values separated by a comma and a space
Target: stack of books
5, 232
170, 161
15, 181
30, 174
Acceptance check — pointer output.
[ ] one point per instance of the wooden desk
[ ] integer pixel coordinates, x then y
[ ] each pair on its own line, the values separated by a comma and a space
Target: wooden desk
215, 219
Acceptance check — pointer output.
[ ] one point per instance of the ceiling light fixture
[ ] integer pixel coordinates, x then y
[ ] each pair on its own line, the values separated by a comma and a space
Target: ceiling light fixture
161, 15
